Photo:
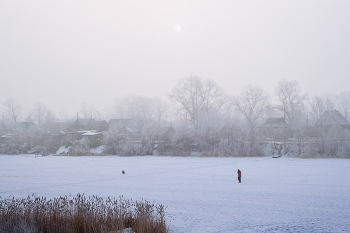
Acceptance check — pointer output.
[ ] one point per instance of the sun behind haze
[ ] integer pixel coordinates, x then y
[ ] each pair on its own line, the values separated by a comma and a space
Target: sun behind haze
63, 53
178, 28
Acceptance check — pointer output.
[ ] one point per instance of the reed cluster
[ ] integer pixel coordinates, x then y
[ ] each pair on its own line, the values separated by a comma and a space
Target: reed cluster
80, 214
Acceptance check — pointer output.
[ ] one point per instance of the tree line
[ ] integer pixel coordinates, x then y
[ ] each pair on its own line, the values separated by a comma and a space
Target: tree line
199, 117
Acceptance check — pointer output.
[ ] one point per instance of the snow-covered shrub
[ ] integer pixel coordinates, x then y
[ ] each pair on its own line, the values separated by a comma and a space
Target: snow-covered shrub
80, 147
12, 145
249, 150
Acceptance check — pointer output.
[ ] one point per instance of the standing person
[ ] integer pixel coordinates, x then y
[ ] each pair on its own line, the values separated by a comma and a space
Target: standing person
239, 175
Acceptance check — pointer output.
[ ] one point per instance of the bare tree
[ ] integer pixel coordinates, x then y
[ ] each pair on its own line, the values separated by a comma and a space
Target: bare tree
145, 108
39, 112
317, 108
133, 106
160, 107
189, 94
291, 99
213, 96
330, 101
344, 103
12, 109
50, 117
127, 107
196, 96
87, 110
252, 103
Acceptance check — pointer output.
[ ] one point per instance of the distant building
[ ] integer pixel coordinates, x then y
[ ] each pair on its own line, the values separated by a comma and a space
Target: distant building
24, 125
332, 119
273, 128
118, 124
99, 126
89, 124
79, 124
92, 136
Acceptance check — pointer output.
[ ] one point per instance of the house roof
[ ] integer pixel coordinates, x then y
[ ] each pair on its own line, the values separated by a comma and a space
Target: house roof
25, 125
332, 117
274, 122
96, 125
120, 123
90, 124
83, 122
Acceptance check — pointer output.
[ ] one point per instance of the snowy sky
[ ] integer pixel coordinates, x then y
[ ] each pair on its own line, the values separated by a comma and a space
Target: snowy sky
63, 53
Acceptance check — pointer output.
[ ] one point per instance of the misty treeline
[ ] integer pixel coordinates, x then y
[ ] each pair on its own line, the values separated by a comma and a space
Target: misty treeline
198, 118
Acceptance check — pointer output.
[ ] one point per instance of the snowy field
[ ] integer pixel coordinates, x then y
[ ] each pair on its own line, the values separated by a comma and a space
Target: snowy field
201, 194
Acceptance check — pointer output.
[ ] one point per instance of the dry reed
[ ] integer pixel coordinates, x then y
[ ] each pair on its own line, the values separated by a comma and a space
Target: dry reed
80, 214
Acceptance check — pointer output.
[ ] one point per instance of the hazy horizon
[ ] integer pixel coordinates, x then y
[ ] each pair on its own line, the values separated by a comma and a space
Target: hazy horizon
63, 53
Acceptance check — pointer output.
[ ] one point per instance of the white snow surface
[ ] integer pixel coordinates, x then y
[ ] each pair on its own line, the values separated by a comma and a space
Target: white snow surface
201, 194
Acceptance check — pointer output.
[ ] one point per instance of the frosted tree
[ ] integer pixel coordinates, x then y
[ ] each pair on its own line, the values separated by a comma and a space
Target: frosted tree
141, 111
127, 107
206, 106
160, 107
317, 108
319, 104
292, 104
330, 101
253, 104
133, 107
39, 112
87, 110
12, 109
196, 96
214, 98
50, 117
146, 110
344, 103
291, 100
188, 93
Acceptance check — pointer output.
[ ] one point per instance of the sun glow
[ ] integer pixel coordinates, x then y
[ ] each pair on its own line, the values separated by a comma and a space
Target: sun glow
178, 28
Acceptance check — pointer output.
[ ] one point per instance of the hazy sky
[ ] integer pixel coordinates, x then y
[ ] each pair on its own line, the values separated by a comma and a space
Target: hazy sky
63, 53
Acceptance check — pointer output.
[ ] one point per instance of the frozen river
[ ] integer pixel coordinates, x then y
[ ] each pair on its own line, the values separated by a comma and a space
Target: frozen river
201, 194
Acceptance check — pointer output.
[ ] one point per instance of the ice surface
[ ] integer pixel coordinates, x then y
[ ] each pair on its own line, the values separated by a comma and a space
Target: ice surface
201, 194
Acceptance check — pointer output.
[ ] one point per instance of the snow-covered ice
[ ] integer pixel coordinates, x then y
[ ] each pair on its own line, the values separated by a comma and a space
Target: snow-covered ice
201, 194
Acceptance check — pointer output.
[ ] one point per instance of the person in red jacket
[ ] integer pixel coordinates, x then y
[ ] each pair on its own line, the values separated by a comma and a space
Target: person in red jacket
239, 175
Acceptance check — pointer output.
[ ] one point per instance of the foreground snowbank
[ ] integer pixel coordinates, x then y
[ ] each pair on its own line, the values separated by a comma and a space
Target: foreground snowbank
201, 194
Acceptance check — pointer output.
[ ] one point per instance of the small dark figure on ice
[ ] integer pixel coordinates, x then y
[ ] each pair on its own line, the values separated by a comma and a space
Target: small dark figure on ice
123, 172
239, 175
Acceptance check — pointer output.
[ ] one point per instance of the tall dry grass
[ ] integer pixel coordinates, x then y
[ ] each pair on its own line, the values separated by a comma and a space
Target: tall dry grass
80, 214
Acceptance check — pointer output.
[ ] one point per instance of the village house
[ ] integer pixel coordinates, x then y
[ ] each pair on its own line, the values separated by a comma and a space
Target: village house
123, 127
273, 128
24, 125
332, 120
89, 124
93, 137
118, 124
